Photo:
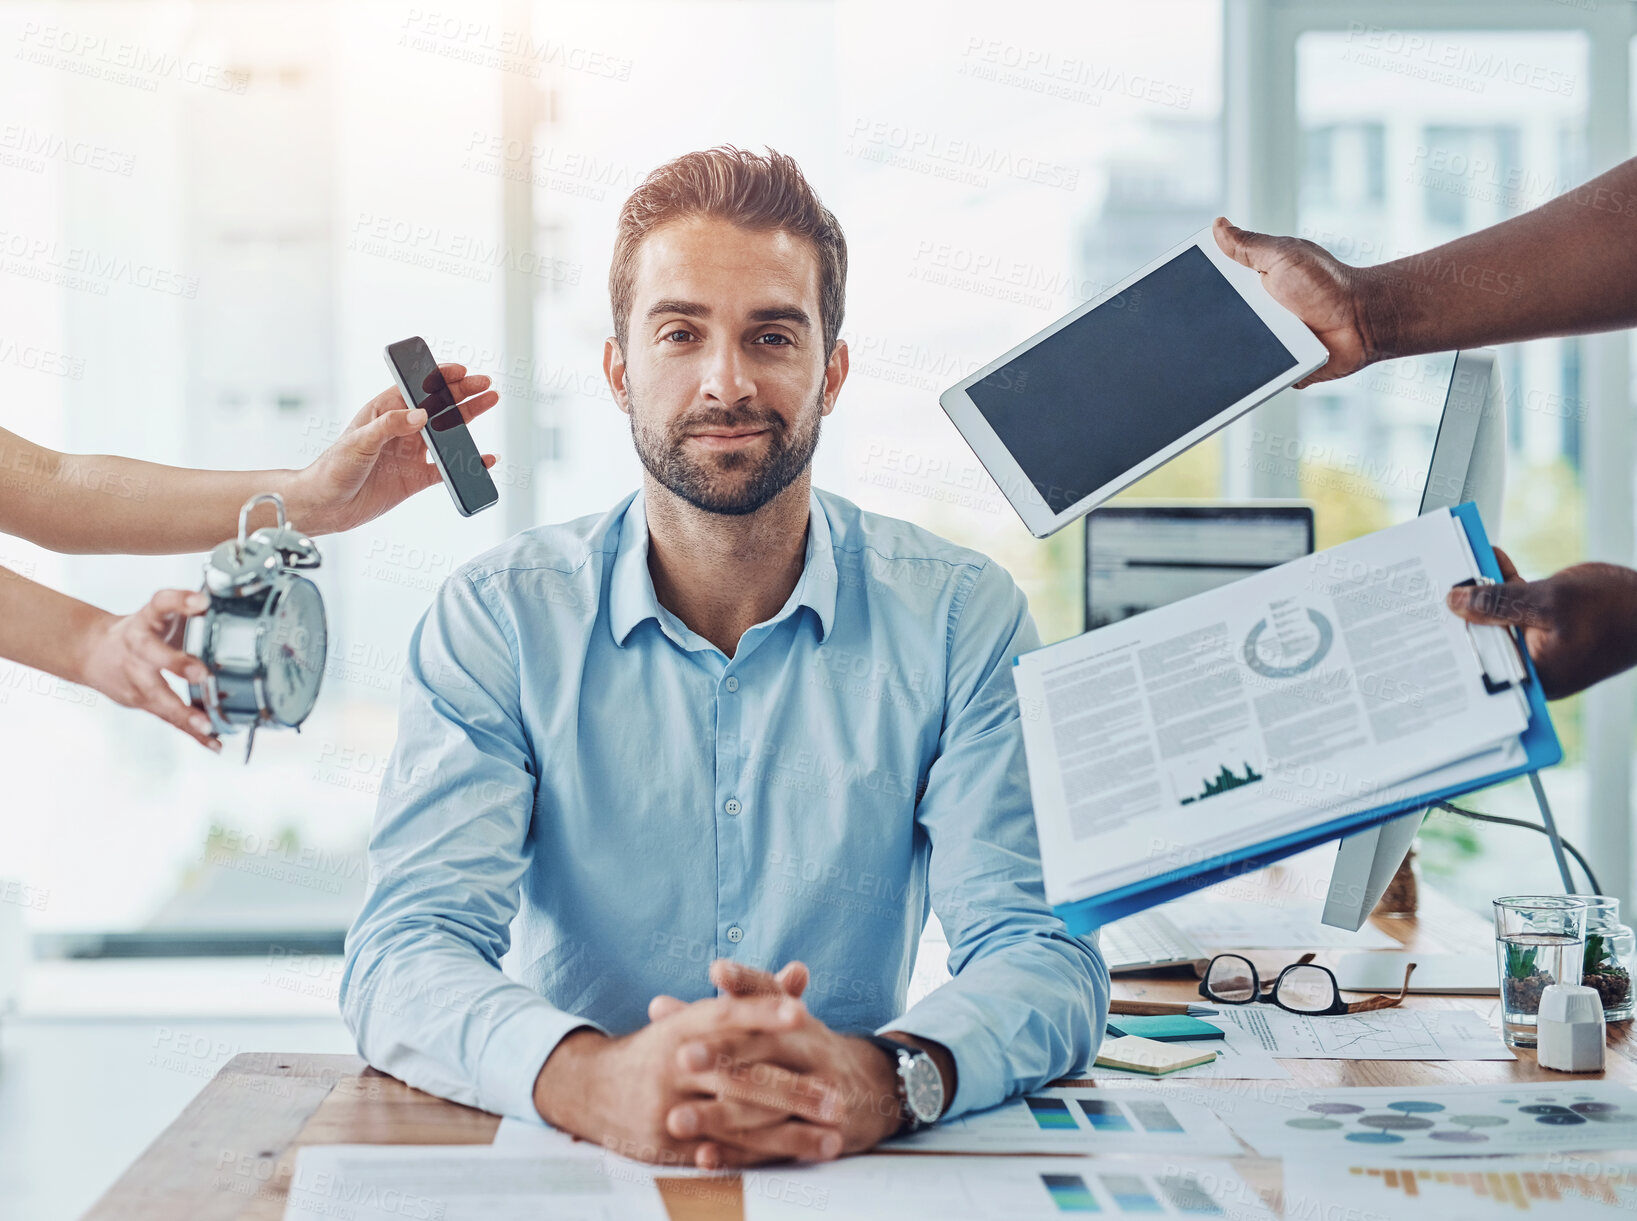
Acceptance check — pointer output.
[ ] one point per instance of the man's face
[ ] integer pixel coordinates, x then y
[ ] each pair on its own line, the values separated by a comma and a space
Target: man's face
725, 377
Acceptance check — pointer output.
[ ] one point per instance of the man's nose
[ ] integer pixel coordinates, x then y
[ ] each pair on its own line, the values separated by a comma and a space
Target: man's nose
728, 377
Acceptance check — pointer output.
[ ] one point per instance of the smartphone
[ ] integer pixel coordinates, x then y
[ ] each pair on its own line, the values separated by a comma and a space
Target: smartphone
445, 433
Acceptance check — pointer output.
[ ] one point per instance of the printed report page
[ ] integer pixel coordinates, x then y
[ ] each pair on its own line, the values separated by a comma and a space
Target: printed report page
1257, 709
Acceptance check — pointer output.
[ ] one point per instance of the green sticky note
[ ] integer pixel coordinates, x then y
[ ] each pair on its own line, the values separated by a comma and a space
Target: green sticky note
1162, 1027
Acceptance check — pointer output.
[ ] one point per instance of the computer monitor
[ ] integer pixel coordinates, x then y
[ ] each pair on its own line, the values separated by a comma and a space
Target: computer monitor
1142, 556
1468, 463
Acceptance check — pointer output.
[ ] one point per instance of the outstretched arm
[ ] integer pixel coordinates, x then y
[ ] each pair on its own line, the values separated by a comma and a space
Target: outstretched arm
86, 504
1565, 268
124, 657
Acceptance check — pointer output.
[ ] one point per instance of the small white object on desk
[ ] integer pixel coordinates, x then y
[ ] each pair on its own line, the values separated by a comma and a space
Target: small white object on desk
1570, 1029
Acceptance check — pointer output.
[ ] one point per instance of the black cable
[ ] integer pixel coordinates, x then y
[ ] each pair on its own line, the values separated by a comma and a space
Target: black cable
1532, 826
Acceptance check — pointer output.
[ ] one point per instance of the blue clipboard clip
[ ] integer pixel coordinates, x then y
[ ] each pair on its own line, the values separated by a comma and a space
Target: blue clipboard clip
1520, 668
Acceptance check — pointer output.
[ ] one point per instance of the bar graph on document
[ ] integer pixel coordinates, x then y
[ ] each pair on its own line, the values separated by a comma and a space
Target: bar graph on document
883, 1188
1562, 1189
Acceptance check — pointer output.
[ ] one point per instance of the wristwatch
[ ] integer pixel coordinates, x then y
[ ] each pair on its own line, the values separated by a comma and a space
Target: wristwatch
920, 1084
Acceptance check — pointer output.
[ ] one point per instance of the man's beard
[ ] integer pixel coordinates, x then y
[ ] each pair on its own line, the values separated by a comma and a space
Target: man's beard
733, 483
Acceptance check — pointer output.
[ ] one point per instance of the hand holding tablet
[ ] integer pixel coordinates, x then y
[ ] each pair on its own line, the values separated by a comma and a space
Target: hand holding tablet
1128, 381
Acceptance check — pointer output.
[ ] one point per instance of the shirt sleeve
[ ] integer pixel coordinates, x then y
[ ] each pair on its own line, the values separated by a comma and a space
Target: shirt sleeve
1028, 1000
422, 990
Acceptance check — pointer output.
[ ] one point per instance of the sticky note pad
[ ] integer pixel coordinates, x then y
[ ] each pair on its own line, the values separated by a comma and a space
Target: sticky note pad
1163, 1027
1140, 1055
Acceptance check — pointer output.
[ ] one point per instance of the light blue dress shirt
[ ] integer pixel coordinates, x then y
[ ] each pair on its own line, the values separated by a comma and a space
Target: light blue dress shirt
581, 778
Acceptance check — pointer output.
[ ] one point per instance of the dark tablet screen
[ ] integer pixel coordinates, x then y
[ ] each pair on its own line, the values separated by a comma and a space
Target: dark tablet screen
1126, 379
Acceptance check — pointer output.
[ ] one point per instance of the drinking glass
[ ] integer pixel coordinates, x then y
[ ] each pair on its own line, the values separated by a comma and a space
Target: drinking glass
1539, 940
1610, 950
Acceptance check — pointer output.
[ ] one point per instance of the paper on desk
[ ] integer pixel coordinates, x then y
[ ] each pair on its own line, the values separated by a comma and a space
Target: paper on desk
1386, 1034
1559, 1188
1257, 926
1077, 1119
881, 1188
528, 1136
1240, 1056
1256, 710
1538, 1117
463, 1183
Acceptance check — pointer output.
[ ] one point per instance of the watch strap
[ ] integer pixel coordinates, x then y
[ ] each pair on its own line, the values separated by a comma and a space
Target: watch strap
909, 1121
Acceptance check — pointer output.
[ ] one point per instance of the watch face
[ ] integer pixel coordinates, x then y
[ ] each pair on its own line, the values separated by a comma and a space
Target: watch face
924, 1089
293, 650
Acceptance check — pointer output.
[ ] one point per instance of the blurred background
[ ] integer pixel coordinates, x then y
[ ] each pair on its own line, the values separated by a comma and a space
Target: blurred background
213, 216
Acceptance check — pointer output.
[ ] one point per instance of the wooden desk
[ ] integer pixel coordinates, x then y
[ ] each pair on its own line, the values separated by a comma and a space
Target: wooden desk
231, 1152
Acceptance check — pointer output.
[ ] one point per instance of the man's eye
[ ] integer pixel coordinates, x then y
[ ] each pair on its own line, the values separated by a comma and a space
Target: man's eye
684, 334
775, 339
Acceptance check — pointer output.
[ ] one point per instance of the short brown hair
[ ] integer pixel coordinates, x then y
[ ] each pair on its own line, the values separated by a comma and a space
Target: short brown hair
747, 189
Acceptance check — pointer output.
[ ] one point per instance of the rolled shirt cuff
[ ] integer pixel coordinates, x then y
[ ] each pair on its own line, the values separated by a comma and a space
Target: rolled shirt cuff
516, 1052
979, 1073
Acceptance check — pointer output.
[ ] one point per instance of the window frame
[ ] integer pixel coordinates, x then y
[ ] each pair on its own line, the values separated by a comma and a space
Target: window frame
1262, 152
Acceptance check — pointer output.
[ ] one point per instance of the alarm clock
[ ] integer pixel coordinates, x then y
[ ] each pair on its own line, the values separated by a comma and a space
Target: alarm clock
263, 638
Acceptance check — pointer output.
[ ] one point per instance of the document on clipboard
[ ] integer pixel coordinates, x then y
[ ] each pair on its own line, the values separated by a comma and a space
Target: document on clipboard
1306, 702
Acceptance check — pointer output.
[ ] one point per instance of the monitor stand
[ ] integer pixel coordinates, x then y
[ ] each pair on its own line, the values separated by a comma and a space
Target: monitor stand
1468, 463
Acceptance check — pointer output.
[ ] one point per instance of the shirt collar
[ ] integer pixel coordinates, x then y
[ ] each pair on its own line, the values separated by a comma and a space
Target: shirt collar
631, 597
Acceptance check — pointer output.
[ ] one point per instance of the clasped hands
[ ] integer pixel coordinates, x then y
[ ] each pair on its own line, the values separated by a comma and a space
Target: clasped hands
747, 1077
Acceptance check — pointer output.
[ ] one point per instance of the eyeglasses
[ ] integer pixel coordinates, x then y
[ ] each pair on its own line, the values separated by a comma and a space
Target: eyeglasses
1302, 987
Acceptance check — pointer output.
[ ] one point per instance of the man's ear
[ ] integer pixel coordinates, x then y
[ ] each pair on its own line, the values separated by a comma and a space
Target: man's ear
614, 371
835, 373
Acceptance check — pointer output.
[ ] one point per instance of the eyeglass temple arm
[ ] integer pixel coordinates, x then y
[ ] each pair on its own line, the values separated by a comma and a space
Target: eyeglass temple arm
1409, 969
1384, 1002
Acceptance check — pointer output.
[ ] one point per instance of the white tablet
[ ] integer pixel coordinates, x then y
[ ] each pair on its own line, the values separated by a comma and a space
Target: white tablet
1128, 381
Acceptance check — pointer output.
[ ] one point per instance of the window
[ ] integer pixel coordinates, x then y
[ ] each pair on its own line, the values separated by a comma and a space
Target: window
367, 174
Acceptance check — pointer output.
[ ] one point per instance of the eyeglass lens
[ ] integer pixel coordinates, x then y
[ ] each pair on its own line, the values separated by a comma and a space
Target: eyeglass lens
1231, 980
1306, 989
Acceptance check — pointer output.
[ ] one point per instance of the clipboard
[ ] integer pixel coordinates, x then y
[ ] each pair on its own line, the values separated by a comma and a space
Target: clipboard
1539, 741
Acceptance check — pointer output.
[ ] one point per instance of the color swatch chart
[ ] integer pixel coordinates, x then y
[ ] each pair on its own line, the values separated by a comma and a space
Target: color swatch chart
886, 1188
1083, 1120
1563, 1189
1129, 1194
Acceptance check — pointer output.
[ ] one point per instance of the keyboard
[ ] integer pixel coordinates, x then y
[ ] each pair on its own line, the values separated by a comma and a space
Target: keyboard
1145, 941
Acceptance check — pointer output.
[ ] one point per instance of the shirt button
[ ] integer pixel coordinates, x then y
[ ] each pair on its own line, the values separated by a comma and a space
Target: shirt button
732, 684
735, 933
733, 806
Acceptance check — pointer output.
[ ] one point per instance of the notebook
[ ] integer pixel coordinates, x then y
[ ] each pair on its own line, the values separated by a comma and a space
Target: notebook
1139, 1055
1162, 1027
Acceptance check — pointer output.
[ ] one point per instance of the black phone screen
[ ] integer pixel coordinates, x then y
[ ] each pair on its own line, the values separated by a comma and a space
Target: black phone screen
457, 453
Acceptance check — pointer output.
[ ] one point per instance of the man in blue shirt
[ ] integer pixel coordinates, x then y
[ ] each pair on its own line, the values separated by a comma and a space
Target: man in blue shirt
729, 725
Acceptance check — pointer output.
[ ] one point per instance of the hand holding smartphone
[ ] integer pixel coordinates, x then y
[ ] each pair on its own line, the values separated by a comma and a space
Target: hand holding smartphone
447, 439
